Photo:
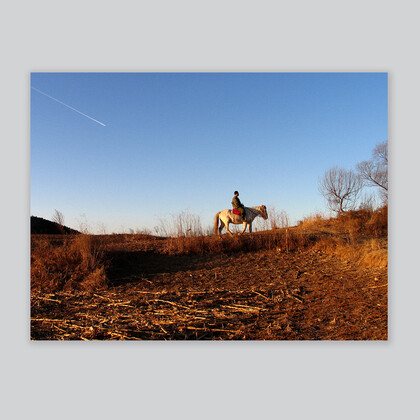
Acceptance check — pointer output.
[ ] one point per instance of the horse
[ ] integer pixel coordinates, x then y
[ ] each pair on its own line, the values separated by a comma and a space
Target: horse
226, 217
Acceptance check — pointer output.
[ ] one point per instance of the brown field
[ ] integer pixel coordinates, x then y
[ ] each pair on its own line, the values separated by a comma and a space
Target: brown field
320, 280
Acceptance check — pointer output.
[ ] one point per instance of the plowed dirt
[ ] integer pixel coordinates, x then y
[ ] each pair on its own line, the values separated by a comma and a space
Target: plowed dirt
260, 295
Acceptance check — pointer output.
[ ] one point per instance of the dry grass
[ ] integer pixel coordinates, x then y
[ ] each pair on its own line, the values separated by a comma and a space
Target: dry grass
355, 235
287, 240
359, 236
314, 220
75, 264
80, 262
372, 252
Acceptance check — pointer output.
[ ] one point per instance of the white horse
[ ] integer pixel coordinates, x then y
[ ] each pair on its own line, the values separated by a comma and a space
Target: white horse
226, 217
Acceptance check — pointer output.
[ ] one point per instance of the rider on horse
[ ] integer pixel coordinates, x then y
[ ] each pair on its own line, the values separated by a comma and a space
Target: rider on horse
236, 203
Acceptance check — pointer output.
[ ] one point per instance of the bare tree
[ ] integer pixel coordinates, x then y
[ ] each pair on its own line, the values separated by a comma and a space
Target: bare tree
341, 188
374, 172
58, 219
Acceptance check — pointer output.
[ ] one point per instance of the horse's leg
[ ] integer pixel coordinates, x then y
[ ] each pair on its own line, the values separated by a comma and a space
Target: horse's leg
250, 228
227, 228
243, 230
222, 225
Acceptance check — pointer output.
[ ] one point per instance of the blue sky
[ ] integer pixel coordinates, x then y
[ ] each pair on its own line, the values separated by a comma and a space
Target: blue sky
175, 142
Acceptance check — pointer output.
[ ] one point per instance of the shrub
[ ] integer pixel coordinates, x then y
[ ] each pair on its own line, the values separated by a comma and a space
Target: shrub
378, 223
76, 264
287, 240
375, 253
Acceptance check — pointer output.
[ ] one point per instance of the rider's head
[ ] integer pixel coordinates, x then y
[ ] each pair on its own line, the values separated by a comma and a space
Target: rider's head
236, 193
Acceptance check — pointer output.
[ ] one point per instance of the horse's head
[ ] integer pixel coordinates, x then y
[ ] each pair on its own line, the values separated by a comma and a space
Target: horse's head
264, 213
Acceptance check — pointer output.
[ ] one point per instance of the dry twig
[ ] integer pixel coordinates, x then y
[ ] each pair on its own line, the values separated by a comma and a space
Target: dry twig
171, 303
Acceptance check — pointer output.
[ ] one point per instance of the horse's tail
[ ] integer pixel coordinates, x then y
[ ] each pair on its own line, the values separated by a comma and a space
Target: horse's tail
216, 222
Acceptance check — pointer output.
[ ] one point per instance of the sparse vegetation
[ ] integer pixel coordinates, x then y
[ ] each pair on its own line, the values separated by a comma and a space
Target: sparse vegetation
75, 263
79, 262
325, 278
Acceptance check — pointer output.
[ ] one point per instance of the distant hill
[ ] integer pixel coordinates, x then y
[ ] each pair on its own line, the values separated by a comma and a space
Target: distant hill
43, 226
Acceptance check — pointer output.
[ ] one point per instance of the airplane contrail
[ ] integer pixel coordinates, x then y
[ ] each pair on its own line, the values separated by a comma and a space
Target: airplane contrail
68, 106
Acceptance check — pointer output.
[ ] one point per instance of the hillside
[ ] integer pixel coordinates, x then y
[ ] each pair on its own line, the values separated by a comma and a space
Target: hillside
43, 226
323, 280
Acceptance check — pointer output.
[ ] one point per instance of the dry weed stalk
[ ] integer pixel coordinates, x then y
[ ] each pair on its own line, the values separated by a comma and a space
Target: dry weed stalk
76, 264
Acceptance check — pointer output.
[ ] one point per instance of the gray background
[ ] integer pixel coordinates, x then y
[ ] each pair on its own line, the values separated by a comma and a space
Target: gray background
325, 380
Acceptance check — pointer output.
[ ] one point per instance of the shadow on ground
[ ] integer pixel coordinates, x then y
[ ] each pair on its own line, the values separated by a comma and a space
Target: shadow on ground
128, 267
